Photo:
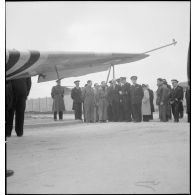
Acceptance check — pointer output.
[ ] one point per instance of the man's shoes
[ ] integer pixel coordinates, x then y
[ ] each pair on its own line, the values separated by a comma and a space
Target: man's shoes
9, 173
19, 135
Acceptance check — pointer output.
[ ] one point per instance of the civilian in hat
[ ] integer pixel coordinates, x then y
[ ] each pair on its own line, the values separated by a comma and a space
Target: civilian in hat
126, 103
76, 95
176, 97
169, 114
89, 102
146, 108
158, 93
164, 99
96, 114
57, 93
151, 94
136, 95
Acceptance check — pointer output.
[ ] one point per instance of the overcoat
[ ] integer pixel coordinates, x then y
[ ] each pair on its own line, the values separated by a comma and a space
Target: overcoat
57, 94
76, 95
146, 108
102, 103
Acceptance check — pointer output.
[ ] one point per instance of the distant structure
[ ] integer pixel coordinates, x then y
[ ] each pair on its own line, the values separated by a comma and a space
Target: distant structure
45, 104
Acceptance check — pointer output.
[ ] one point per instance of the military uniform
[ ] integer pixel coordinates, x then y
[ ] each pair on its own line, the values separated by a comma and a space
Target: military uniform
110, 108
21, 89
113, 96
164, 98
126, 104
136, 94
151, 95
57, 93
89, 102
76, 95
175, 98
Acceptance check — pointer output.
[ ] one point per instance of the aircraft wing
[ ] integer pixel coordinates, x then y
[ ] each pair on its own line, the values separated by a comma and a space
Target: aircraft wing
53, 65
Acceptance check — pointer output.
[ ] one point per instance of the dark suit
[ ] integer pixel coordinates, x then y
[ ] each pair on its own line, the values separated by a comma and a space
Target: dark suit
114, 101
76, 95
175, 97
109, 108
136, 95
126, 104
151, 94
164, 99
21, 89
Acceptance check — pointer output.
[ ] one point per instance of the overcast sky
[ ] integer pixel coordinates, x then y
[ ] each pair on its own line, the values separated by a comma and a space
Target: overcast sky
130, 27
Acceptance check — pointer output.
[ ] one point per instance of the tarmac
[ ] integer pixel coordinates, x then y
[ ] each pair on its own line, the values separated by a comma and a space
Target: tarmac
71, 157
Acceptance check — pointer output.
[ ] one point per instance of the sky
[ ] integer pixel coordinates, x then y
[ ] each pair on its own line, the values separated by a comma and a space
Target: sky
129, 27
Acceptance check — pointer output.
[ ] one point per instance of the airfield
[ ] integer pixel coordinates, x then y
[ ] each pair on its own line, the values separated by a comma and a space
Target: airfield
70, 157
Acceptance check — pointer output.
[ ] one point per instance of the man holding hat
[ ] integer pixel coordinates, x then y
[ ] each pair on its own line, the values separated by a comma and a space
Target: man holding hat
136, 94
76, 95
176, 97
57, 94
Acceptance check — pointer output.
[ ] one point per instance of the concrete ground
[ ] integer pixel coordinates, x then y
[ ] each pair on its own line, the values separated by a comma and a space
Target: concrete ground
68, 158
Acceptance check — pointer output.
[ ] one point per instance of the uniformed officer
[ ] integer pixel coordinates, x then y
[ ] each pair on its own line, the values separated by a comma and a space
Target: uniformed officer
96, 114
21, 89
175, 98
113, 96
137, 94
126, 103
76, 95
89, 102
57, 93
109, 98
120, 115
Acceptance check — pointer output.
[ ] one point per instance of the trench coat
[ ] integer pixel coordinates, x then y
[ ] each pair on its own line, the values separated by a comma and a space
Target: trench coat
57, 94
102, 103
146, 108
89, 103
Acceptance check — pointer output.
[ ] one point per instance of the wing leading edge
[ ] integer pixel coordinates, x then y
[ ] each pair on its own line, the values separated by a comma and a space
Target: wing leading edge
53, 65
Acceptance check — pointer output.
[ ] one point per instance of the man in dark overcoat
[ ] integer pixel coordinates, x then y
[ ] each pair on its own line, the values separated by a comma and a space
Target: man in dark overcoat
121, 113
175, 97
76, 95
136, 93
109, 108
113, 95
21, 88
151, 94
126, 103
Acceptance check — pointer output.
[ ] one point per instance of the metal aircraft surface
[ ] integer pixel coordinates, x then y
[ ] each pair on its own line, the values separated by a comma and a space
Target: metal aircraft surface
57, 65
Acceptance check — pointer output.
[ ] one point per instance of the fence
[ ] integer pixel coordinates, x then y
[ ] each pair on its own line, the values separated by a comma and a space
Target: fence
45, 104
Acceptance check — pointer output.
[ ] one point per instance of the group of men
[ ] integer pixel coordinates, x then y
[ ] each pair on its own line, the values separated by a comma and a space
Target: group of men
120, 101
170, 100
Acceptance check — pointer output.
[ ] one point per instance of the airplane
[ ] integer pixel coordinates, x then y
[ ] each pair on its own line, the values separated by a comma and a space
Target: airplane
58, 65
